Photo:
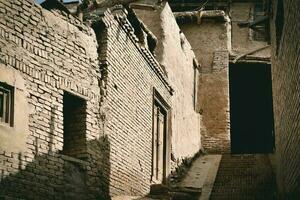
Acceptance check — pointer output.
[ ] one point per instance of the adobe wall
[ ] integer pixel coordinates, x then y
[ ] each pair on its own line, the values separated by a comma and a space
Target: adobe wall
216, 43
177, 61
210, 40
206, 37
286, 89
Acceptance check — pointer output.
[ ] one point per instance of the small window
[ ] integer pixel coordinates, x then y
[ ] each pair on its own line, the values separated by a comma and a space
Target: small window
6, 104
260, 30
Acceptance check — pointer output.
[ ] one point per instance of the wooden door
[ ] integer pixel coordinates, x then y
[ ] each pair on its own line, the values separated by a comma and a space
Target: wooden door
158, 157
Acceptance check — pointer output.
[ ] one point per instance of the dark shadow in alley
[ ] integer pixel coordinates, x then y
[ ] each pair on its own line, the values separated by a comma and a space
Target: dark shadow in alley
251, 108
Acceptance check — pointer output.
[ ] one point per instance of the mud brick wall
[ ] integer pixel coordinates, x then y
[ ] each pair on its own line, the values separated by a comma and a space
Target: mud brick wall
43, 55
175, 54
211, 41
286, 88
214, 105
129, 75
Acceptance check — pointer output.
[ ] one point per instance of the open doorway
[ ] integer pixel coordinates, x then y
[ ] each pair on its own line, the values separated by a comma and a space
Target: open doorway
74, 115
251, 108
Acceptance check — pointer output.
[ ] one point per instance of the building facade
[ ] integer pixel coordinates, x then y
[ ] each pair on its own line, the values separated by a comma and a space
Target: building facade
87, 111
221, 36
209, 34
116, 103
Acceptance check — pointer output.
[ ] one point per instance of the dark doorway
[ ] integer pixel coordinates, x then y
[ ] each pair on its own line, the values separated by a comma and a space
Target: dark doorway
251, 108
74, 115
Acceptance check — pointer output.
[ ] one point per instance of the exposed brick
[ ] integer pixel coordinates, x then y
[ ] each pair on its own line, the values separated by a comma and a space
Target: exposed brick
54, 53
286, 90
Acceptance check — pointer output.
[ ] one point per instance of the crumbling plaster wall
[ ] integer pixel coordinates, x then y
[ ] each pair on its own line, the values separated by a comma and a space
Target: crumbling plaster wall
151, 18
286, 89
177, 59
209, 40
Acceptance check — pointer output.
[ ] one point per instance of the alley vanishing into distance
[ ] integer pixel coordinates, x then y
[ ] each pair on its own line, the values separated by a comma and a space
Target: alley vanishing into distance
149, 100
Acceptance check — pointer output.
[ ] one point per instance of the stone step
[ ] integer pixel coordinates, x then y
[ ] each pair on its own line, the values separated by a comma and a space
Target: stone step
158, 189
183, 196
181, 193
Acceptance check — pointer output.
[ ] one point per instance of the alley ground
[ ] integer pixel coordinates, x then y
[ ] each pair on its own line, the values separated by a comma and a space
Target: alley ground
224, 177
244, 177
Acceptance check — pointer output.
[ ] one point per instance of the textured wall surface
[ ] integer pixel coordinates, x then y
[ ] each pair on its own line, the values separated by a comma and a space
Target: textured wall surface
286, 90
213, 41
206, 38
45, 54
177, 60
210, 40
52, 55
242, 37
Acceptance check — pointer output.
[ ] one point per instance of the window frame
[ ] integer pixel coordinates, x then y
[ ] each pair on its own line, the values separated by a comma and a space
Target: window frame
259, 32
7, 104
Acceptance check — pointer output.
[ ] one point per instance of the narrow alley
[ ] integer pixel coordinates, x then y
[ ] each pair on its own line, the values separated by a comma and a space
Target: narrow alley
149, 100
222, 177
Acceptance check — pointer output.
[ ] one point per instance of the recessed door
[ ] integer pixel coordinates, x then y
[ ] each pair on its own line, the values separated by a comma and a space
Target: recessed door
159, 145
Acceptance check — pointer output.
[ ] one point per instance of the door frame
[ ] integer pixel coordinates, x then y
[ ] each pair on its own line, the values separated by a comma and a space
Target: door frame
166, 110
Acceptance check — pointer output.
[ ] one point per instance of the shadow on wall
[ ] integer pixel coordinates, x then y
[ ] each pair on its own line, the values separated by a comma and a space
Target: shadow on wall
57, 176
